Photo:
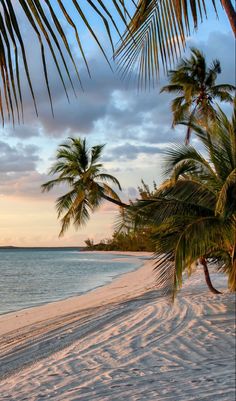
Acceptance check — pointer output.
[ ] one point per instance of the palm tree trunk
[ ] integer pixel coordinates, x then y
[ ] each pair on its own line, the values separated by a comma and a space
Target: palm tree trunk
230, 11
232, 273
116, 202
207, 277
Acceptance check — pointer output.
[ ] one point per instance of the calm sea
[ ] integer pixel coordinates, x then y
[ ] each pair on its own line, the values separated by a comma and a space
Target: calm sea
33, 277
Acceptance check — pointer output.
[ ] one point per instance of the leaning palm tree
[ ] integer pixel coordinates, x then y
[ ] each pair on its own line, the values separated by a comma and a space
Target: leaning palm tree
155, 33
194, 211
195, 84
80, 169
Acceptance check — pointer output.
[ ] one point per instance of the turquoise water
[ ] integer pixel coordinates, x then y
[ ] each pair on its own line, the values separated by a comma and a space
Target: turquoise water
33, 277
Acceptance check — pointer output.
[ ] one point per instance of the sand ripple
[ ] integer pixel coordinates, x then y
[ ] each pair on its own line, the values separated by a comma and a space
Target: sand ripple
142, 349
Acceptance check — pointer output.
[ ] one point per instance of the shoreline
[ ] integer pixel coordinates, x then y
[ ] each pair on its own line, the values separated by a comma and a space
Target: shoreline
20, 318
124, 341
138, 255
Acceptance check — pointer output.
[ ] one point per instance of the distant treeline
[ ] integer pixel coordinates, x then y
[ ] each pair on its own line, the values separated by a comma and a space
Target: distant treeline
129, 238
123, 242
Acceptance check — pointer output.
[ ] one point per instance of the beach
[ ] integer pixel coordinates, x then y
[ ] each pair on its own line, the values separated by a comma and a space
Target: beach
123, 341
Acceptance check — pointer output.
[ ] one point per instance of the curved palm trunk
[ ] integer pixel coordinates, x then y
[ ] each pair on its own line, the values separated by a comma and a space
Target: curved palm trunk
188, 134
116, 202
230, 11
207, 277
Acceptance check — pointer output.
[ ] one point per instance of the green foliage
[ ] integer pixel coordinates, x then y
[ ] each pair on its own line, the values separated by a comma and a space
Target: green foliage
129, 236
155, 34
195, 84
89, 243
194, 211
140, 240
80, 168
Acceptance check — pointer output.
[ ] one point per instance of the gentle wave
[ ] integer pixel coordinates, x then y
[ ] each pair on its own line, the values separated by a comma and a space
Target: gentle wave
30, 277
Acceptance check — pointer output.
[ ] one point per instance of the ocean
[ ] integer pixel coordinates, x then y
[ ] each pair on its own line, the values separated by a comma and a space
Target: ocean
31, 277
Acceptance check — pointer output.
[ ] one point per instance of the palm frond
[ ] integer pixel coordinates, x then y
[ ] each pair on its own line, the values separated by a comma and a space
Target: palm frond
106, 189
182, 153
224, 198
225, 87
171, 88
198, 238
96, 152
222, 95
156, 35
108, 177
166, 280
65, 202
48, 28
47, 186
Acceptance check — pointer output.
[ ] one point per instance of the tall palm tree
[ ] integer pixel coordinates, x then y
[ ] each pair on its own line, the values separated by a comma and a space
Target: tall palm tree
195, 84
80, 169
155, 32
194, 211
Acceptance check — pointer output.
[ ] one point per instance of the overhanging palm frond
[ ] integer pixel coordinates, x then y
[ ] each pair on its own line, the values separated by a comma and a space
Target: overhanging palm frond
166, 273
48, 27
156, 35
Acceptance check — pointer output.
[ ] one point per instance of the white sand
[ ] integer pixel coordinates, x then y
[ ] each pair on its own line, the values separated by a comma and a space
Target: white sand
123, 342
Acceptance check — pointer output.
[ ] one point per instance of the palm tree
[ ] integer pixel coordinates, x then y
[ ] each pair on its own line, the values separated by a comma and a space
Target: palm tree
194, 211
80, 169
155, 32
195, 84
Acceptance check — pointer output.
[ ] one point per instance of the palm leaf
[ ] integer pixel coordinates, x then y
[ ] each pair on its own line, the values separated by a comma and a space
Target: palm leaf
50, 34
222, 200
156, 34
58, 181
108, 177
166, 274
178, 154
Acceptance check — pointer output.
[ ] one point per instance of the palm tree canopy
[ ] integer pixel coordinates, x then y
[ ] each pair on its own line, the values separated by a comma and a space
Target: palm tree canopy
152, 27
195, 84
81, 170
194, 211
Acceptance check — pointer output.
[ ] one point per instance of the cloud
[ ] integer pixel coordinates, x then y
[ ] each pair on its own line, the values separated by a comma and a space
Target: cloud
25, 185
19, 158
130, 152
132, 123
109, 111
22, 132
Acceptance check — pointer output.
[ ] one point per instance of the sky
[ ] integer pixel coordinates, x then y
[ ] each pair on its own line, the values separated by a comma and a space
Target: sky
134, 125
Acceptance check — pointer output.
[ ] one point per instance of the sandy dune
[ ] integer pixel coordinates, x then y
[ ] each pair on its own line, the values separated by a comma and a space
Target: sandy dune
133, 345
